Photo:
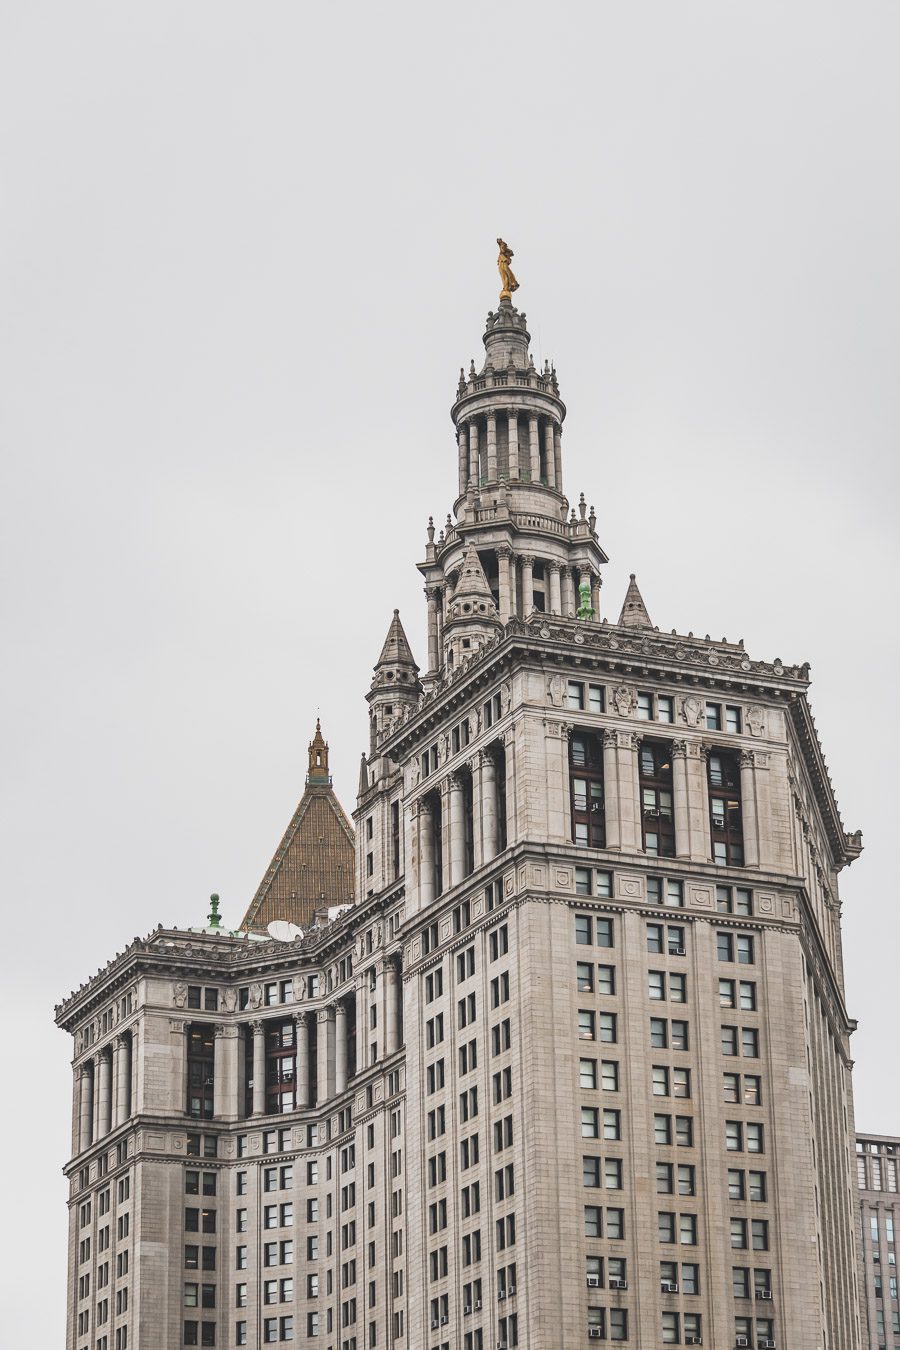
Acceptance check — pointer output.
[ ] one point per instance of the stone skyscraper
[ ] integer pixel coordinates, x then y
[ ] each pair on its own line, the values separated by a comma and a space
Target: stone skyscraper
574, 1064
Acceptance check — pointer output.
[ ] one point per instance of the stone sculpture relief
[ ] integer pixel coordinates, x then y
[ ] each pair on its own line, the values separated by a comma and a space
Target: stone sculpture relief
179, 994
625, 700
692, 710
755, 719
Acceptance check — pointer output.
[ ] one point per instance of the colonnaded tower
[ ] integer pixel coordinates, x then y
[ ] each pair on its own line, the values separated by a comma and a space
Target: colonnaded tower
573, 1064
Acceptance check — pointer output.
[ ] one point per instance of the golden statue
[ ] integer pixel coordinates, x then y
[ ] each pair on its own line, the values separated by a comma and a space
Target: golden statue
506, 273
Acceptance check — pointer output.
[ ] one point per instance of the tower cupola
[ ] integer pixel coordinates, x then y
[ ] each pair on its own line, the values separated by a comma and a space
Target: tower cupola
472, 618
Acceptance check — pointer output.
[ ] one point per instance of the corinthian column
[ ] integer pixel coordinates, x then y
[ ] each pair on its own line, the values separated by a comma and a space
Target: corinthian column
122, 1106
86, 1108
474, 472
325, 1056
488, 807
105, 1094
492, 447
457, 848
426, 853
513, 425
504, 553
302, 1044
555, 602
680, 800
340, 1047
534, 448
462, 441
549, 454
391, 1008
527, 584
431, 594
611, 789
749, 812
259, 1068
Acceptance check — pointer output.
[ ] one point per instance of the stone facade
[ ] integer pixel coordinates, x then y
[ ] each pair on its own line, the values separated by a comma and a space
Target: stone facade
575, 1064
878, 1178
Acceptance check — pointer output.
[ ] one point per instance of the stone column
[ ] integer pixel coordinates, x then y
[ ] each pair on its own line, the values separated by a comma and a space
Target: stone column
504, 553
431, 593
492, 447
513, 425
457, 848
259, 1068
611, 789
488, 807
105, 1116
549, 454
136, 1079
426, 854
595, 596
122, 1108
301, 1033
534, 448
85, 1108
555, 601
568, 591
630, 817
462, 442
477, 796
474, 472
749, 811
325, 1056
557, 457
512, 814
340, 1047
680, 800
697, 800
225, 1074
527, 584
391, 1008
445, 836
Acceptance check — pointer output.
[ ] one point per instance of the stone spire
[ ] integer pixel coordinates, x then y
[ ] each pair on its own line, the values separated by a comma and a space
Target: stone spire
395, 684
634, 611
318, 760
396, 650
472, 618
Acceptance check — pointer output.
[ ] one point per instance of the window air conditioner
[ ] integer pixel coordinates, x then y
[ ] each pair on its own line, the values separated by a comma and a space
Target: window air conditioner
764, 1294
767, 1345
444, 1321
676, 951
512, 1290
669, 1287
467, 1308
593, 1282
618, 1284
741, 1341
594, 1333
477, 1304
693, 1340
434, 1324
501, 1293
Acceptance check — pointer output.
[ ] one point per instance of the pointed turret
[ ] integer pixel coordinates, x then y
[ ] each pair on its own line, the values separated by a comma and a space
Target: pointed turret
314, 864
363, 774
396, 650
472, 618
634, 611
395, 684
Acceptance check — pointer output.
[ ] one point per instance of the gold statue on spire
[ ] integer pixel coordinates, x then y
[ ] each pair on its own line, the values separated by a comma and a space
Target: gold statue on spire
506, 273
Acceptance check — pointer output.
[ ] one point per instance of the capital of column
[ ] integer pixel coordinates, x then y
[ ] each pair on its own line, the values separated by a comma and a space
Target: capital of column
553, 566
503, 551
120, 1039
302, 1019
679, 749
325, 1014
257, 1027
85, 1070
748, 759
339, 1008
526, 559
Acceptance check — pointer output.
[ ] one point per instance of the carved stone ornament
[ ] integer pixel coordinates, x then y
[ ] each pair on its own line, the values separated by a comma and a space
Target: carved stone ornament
625, 700
756, 721
179, 994
692, 710
555, 690
255, 996
298, 984
414, 773
505, 698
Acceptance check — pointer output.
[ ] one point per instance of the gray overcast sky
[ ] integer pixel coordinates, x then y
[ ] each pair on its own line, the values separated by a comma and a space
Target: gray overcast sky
245, 250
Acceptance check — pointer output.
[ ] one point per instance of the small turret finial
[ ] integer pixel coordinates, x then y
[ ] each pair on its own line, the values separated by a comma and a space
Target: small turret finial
213, 920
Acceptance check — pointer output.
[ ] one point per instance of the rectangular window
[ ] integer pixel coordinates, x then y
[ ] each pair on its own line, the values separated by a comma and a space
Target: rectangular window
588, 821
726, 825
655, 785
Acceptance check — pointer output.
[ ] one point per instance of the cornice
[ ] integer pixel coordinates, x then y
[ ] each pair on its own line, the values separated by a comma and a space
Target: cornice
845, 847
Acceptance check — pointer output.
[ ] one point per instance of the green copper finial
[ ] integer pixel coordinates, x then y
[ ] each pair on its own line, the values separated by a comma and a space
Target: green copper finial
213, 916
585, 608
